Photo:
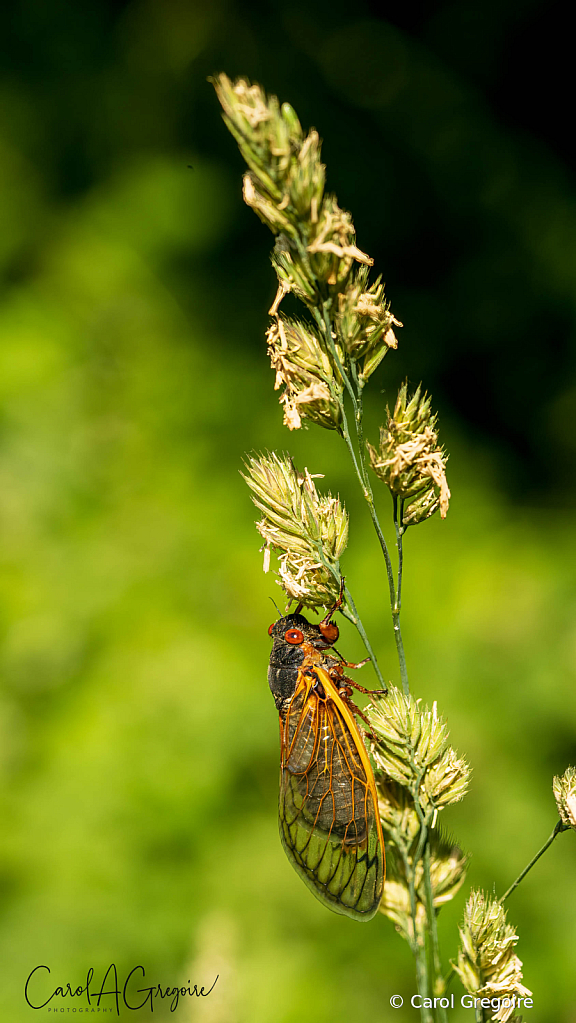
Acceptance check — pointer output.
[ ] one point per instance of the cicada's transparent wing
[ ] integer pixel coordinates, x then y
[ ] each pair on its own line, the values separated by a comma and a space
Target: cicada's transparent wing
329, 821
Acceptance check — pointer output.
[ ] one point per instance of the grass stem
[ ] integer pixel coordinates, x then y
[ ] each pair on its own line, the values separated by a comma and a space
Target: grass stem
559, 827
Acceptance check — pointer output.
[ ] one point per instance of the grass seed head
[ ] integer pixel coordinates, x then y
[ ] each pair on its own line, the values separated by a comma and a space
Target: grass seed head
311, 388
564, 788
409, 460
308, 530
487, 963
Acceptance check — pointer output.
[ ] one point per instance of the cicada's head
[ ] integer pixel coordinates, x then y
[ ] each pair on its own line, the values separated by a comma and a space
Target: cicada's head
295, 630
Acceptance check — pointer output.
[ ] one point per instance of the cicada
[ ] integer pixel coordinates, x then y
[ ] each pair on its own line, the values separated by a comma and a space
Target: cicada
328, 806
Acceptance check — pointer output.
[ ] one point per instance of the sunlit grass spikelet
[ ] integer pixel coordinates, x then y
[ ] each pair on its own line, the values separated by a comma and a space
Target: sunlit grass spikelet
409, 460
564, 788
487, 963
448, 866
311, 384
364, 322
308, 530
412, 748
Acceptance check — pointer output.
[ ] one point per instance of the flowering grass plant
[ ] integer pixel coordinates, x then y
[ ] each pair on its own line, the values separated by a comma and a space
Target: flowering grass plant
323, 361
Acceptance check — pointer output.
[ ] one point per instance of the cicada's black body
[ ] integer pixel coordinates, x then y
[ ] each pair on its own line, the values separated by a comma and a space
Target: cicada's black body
287, 655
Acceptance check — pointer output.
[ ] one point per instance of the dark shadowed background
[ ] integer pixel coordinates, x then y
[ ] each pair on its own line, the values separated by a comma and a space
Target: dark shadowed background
138, 746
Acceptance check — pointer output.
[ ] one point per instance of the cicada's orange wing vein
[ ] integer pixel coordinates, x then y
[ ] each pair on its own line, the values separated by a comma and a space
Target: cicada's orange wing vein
329, 822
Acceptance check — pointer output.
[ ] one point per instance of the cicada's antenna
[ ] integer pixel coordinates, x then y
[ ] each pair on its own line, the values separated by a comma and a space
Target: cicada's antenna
298, 609
276, 606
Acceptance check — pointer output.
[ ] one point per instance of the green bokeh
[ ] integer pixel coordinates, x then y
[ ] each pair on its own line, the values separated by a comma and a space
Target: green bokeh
138, 740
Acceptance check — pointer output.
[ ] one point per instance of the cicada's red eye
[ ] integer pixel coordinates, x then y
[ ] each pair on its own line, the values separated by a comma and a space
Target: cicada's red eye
294, 636
271, 629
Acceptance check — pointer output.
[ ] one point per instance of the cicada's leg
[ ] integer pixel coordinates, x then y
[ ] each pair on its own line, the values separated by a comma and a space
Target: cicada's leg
328, 628
338, 676
351, 664
368, 692
336, 605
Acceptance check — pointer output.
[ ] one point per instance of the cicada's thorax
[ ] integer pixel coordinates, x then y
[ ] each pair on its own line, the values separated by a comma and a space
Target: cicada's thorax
288, 657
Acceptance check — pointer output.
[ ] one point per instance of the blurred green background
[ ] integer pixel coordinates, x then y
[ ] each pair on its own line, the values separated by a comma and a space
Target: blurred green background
138, 748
